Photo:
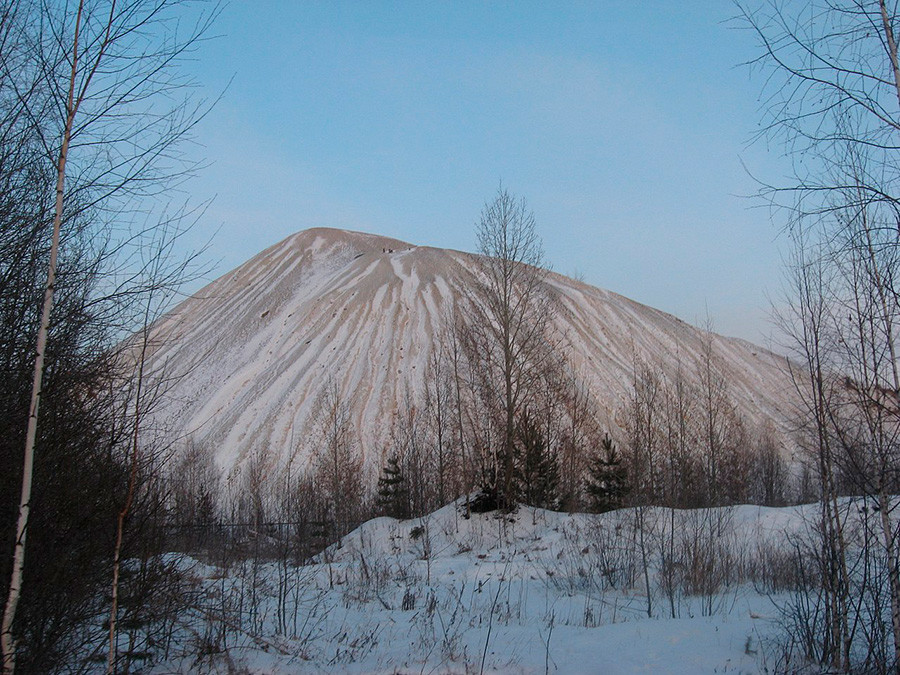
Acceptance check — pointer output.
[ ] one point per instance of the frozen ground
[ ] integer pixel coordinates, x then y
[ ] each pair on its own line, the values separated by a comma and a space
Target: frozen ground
532, 593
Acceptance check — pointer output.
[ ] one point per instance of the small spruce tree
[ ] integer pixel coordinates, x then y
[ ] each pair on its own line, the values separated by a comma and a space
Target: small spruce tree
393, 495
607, 482
537, 472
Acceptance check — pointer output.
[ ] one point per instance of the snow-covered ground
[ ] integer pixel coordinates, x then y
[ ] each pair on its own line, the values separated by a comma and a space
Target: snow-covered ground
534, 592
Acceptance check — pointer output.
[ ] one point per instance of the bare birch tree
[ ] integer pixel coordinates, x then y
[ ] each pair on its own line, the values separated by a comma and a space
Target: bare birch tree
513, 319
96, 85
438, 406
337, 460
833, 99
73, 102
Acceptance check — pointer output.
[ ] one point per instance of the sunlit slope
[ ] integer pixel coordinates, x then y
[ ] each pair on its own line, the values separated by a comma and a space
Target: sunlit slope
250, 355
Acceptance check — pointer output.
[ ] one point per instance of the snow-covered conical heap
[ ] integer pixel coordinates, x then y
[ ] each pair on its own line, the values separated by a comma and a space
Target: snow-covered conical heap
251, 353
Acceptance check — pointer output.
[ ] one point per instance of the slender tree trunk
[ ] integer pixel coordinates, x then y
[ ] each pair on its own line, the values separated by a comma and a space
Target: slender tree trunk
836, 574
881, 290
467, 479
645, 562
7, 641
887, 525
892, 45
890, 547
129, 499
881, 493
509, 440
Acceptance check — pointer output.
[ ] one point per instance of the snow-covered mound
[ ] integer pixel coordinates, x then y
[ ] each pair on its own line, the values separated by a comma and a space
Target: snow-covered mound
531, 592
252, 352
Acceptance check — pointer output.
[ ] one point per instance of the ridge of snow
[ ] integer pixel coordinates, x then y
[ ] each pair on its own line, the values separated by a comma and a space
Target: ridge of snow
522, 593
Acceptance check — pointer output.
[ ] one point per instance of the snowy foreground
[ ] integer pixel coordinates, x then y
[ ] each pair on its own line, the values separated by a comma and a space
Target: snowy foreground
535, 592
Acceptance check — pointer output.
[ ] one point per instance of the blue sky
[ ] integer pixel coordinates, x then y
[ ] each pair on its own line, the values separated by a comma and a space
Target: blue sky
626, 126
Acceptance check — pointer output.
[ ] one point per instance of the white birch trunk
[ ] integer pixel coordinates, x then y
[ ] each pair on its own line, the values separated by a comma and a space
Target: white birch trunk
15, 585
